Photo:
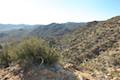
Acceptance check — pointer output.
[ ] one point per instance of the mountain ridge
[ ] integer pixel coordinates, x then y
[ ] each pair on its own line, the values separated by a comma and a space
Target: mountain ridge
45, 31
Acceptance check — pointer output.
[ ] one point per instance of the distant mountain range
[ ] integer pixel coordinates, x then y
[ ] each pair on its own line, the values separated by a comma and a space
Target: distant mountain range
10, 31
7, 27
54, 29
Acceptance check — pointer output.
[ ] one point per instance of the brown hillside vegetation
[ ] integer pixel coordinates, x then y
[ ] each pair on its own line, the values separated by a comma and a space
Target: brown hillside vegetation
91, 41
96, 47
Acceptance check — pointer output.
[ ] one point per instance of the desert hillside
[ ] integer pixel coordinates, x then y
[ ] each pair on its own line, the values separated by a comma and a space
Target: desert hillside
91, 52
96, 47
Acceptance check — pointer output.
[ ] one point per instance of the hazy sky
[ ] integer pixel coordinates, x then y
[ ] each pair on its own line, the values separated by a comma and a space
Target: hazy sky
48, 11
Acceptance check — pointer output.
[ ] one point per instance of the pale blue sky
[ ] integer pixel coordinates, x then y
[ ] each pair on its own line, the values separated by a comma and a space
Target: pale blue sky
48, 11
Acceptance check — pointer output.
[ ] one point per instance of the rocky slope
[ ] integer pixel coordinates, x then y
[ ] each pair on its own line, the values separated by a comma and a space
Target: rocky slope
56, 72
90, 41
96, 47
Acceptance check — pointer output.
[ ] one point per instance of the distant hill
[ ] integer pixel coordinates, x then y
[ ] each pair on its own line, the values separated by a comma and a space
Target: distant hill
54, 29
7, 27
16, 32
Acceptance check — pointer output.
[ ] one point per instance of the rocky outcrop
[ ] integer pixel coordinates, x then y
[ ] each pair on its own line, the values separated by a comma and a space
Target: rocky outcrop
57, 72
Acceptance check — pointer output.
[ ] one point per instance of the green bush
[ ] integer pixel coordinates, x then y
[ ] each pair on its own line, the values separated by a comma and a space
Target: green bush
4, 60
0, 46
32, 51
4, 57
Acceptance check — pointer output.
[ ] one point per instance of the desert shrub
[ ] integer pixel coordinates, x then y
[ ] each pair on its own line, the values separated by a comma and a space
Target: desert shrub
4, 58
0, 46
32, 51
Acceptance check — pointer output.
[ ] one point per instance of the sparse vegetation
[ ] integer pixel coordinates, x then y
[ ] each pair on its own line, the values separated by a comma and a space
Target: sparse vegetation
95, 47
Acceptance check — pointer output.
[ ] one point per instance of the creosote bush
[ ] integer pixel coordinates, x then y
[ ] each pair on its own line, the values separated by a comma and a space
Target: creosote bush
31, 51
